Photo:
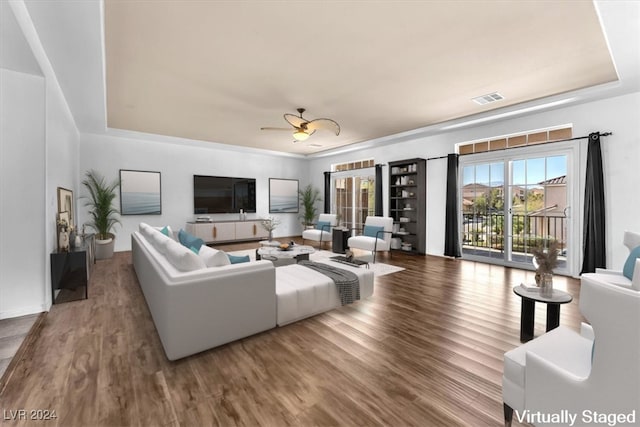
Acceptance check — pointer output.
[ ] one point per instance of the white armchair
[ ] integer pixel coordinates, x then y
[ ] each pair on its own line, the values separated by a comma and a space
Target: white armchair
376, 235
322, 231
596, 371
632, 241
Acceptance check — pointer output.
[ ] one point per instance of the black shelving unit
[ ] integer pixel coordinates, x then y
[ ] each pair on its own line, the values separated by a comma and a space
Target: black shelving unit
408, 203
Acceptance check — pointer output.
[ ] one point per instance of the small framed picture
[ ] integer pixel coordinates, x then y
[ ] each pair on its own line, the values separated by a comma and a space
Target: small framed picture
66, 204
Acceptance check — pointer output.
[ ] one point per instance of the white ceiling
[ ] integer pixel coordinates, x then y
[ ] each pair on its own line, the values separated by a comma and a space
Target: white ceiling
218, 71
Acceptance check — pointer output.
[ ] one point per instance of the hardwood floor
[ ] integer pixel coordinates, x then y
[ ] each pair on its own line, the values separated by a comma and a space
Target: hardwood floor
13, 333
425, 350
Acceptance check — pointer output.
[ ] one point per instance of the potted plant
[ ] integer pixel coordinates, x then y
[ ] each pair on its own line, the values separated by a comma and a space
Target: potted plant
102, 213
309, 196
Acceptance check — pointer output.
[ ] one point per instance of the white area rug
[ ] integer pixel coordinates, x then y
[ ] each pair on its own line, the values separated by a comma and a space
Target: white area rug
379, 268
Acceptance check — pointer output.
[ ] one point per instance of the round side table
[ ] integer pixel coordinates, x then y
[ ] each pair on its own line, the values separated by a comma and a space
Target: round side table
527, 315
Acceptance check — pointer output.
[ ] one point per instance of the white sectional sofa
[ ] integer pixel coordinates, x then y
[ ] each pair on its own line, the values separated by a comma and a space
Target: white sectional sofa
197, 310
195, 307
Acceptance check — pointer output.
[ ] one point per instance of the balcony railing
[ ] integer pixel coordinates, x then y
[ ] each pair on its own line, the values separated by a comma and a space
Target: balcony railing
484, 233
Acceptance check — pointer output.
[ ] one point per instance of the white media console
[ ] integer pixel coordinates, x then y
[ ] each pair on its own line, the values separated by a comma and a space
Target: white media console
228, 231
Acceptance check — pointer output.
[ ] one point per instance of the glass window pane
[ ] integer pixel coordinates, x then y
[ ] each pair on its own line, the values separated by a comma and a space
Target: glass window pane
535, 171
482, 174
497, 174
468, 175
518, 172
556, 166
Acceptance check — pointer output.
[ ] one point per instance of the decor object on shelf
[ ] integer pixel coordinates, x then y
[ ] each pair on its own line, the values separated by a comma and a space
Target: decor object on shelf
140, 193
283, 195
545, 260
303, 128
63, 231
270, 224
66, 204
102, 213
309, 196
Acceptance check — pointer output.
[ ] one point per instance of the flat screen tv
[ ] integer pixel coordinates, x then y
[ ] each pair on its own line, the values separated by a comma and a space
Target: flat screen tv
221, 194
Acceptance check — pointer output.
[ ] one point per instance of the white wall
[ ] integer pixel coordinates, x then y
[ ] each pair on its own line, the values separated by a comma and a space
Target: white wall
177, 164
22, 193
39, 152
621, 154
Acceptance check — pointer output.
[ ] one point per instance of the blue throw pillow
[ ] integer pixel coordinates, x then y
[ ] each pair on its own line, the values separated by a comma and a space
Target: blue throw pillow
189, 241
630, 264
234, 259
194, 250
323, 225
372, 231
165, 231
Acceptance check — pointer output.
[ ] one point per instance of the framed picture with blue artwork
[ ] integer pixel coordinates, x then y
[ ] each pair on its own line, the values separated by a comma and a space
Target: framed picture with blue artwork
140, 192
283, 195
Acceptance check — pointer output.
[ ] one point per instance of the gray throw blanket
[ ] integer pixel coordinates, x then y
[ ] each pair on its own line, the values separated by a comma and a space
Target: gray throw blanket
346, 281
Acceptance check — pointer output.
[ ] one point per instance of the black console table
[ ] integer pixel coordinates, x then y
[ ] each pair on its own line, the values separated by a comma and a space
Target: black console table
70, 272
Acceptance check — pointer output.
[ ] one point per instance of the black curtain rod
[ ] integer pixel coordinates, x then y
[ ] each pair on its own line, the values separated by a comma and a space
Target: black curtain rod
540, 143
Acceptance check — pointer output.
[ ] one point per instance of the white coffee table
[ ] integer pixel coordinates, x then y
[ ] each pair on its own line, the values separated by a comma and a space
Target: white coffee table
279, 257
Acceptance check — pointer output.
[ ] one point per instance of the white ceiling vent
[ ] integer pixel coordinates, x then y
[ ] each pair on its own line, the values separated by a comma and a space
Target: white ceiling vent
487, 99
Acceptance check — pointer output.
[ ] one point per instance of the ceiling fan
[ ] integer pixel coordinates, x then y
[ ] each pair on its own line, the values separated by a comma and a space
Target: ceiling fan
303, 128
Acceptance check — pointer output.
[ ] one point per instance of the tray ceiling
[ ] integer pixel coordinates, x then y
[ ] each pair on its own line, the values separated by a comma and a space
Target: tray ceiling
219, 71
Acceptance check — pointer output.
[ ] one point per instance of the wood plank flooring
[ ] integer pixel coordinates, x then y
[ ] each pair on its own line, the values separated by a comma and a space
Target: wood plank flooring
425, 350
13, 333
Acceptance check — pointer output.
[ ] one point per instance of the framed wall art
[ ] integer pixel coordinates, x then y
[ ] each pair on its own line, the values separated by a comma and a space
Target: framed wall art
66, 204
283, 195
140, 192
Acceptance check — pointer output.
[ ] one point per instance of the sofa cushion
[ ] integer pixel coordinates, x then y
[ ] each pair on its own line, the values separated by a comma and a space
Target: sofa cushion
235, 259
168, 231
562, 346
372, 231
213, 257
323, 225
189, 241
181, 258
630, 263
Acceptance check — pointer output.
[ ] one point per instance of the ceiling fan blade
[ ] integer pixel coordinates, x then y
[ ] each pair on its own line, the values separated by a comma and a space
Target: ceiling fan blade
324, 124
272, 128
293, 120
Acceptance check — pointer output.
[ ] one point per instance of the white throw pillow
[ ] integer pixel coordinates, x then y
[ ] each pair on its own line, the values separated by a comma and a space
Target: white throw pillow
145, 230
213, 257
172, 234
180, 257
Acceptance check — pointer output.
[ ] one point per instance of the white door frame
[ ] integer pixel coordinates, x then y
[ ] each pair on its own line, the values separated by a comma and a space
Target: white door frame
569, 148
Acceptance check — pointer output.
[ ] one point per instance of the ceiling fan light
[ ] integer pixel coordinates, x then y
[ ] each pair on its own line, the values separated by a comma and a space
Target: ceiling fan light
300, 135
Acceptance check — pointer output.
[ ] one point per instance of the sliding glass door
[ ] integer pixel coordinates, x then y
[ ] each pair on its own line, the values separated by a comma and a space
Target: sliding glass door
512, 203
353, 196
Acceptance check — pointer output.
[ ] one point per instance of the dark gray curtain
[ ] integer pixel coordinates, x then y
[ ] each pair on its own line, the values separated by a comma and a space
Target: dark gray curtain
595, 255
327, 192
378, 207
451, 233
